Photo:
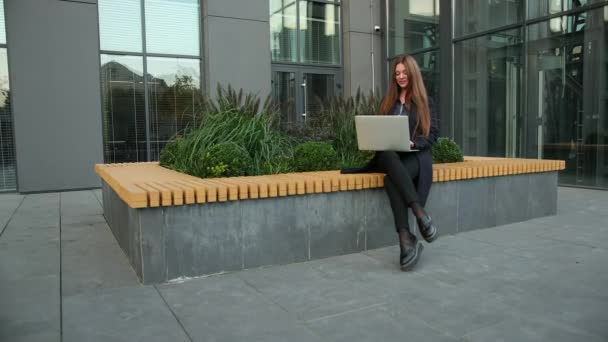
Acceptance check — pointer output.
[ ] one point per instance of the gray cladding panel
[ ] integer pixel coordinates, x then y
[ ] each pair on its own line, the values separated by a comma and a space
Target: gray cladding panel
512, 197
543, 194
250, 9
274, 231
358, 64
239, 54
335, 229
54, 64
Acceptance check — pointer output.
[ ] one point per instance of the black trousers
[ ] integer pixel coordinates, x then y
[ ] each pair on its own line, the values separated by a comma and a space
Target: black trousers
401, 170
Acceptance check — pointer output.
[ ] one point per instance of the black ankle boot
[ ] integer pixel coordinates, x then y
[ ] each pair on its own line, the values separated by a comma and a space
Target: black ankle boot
410, 255
427, 229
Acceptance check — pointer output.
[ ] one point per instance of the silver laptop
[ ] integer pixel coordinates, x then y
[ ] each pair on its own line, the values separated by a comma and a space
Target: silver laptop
383, 133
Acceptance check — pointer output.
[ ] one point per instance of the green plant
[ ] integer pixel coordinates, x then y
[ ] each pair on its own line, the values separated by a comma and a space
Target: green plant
314, 156
445, 150
224, 160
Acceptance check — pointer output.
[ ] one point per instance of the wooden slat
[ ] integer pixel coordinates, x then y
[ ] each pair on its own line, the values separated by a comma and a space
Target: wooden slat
148, 184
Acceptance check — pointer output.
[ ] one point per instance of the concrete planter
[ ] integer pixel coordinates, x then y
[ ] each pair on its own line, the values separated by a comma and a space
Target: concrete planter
166, 243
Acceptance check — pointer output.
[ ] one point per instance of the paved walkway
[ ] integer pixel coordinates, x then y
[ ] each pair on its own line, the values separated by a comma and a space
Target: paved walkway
63, 277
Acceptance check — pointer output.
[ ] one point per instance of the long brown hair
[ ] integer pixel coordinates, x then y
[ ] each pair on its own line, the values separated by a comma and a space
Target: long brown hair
415, 92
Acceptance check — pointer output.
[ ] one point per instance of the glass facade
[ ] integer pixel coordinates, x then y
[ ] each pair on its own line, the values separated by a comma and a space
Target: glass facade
527, 78
304, 31
8, 169
305, 45
486, 93
413, 26
161, 40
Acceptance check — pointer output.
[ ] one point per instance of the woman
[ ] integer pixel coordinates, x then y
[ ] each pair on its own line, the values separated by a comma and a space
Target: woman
408, 174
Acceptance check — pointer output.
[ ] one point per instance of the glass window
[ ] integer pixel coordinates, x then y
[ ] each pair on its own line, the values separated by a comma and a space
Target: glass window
8, 178
284, 93
120, 25
539, 8
473, 16
283, 30
124, 117
486, 94
414, 25
172, 27
568, 95
174, 92
319, 33
428, 63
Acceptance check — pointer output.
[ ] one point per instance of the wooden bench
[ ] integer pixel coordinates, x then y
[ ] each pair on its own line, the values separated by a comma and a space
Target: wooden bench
143, 185
171, 225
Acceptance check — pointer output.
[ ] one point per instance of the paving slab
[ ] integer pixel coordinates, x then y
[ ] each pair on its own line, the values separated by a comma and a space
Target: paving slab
122, 314
225, 308
375, 323
91, 258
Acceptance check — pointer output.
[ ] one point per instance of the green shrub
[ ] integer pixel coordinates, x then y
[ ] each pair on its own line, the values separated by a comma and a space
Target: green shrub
224, 160
445, 150
314, 156
169, 154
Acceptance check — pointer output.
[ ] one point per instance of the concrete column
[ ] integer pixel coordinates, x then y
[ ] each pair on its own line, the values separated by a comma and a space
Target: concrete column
359, 18
53, 54
237, 45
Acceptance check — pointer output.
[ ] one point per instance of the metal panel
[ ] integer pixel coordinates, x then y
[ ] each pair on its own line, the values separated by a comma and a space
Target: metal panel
240, 60
53, 48
250, 9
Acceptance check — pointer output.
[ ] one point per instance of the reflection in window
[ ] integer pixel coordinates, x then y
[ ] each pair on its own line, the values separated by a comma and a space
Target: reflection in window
8, 179
319, 33
284, 93
120, 25
283, 30
539, 8
124, 128
567, 97
172, 27
428, 63
174, 87
414, 25
473, 16
486, 94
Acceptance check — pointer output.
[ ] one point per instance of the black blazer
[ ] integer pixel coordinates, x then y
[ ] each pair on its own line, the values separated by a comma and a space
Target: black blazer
424, 156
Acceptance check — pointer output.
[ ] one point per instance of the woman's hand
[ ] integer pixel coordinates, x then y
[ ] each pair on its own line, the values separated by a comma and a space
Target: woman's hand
411, 144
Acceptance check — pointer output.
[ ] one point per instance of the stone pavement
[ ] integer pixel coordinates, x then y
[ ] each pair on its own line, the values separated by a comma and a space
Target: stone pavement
64, 278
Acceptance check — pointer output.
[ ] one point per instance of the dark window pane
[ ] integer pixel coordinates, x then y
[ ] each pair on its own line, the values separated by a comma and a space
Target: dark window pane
284, 93
124, 129
486, 94
413, 25
428, 63
172, 27
174, 90
471, 16
319, 33
120, 25
568, 93
283, 30
8, 179
319, 89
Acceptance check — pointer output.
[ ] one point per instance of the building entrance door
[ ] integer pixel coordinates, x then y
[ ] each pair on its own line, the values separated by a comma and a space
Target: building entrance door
300, 91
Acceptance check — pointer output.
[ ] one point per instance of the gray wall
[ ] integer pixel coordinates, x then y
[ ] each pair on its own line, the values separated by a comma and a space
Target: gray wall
358, 34
54, 65
237, 44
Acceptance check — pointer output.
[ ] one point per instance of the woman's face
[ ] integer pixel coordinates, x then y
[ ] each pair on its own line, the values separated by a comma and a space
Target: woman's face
401, 75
